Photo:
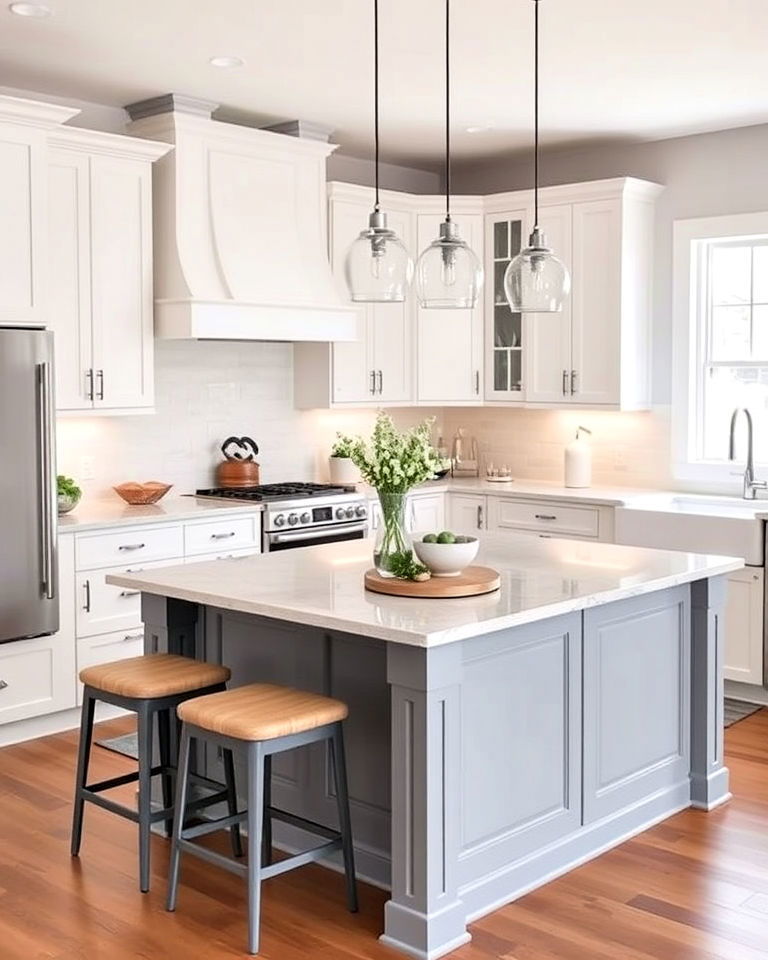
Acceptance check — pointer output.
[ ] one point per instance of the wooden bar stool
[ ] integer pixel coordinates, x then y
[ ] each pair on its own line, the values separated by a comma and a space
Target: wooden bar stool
264, 720
151, 686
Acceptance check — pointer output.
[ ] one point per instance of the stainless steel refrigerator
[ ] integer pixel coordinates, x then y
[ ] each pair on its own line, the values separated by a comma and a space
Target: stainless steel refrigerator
29, 604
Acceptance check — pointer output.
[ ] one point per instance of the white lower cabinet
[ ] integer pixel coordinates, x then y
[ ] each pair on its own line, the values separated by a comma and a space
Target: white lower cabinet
426, 512
38, 676
106, 647
467, 513
744, 626
551, 518
102, 608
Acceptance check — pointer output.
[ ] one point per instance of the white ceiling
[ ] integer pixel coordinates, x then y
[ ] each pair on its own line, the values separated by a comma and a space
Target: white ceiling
612, 69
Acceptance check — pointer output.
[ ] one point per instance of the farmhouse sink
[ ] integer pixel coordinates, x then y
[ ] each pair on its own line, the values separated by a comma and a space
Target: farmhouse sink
728, 526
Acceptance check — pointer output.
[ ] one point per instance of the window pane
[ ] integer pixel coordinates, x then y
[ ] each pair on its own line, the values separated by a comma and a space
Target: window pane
760, 279
730, 334
501, 240
760, 333
726, 388
731, 274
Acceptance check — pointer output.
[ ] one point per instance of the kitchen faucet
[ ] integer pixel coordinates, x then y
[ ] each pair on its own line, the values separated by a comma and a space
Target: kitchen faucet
751, 486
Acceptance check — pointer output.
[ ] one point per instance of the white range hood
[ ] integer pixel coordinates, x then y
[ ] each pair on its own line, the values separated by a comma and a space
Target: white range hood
239, 230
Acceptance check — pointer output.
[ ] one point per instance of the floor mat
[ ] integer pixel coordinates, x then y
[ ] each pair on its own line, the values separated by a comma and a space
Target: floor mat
736, 710
127, 745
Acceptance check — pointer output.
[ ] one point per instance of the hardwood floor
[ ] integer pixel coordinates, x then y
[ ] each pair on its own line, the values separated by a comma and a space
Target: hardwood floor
693, 888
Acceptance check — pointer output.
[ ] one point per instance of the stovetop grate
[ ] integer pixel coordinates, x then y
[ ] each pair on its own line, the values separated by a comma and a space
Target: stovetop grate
276, 491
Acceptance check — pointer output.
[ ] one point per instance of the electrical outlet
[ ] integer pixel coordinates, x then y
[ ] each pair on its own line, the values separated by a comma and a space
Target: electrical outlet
87, 468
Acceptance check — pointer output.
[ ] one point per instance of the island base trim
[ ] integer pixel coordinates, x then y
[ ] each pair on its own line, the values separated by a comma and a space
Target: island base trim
492, 892
426, 936
710, 791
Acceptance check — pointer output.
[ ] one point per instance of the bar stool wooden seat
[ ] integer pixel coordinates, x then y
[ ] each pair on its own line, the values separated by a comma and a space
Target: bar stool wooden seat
262, 719
152, 687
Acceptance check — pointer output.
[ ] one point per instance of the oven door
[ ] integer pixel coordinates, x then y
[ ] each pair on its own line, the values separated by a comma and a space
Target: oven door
290, 539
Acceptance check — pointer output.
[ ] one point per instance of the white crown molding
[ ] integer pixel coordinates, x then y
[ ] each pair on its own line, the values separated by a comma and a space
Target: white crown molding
34, 113
107, 144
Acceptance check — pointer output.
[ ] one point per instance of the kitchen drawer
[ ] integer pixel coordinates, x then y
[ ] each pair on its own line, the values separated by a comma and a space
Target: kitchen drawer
129, 545
107, 647
544, 516
102, 607
36, 677
222, 535
229, 555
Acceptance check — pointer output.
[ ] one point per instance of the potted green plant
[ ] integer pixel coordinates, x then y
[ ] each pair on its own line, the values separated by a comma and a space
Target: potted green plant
68, 493
342, 468
393, 461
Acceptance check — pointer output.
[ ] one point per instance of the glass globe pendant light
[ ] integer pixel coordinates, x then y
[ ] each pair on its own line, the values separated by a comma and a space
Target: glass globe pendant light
378, 267
448, 274
535, 281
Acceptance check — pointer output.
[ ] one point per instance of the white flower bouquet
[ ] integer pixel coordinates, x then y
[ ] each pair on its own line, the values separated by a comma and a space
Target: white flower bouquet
393, 461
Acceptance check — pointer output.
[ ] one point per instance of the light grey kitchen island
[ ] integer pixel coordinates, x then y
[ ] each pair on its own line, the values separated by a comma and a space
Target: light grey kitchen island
493, 742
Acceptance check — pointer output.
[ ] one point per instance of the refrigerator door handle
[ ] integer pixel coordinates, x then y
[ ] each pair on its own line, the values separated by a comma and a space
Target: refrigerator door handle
48, 497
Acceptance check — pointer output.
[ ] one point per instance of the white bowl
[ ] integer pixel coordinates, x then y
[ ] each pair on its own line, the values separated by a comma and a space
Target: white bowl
445, 559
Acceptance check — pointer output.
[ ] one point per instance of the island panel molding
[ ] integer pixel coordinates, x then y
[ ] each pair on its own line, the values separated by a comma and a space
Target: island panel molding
483, 767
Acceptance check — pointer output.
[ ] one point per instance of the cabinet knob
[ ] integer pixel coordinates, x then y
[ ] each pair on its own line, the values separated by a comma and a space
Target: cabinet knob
3, 685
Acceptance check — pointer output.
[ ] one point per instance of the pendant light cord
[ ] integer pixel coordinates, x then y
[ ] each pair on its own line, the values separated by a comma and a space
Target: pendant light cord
376, 97
536, 115
447, 110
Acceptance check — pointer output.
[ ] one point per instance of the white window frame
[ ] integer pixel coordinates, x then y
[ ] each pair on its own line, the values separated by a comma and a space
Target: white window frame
688, 336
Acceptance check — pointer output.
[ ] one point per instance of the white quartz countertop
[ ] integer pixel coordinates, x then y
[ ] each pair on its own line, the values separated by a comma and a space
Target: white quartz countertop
323, 586
114, 512
531, 489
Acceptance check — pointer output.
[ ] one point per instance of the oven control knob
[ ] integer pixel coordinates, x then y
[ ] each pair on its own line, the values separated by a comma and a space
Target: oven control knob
350, 512
360, 511
305, 517
280, 520
292, 519
340, 513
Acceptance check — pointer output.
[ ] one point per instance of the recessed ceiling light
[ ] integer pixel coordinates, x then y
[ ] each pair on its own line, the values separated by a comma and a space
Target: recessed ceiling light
30, 10
226, 62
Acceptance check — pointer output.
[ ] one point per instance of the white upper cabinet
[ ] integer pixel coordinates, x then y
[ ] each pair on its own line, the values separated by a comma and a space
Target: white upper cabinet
24, 125
504, 333
547, 369
596, 352
100, 270
449, 348
377, 368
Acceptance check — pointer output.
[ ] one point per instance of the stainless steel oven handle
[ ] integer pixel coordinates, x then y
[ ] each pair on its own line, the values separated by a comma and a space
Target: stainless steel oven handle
317, 534
48, 495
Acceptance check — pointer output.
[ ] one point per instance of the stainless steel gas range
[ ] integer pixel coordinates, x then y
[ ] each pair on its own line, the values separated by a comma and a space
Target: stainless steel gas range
302, 514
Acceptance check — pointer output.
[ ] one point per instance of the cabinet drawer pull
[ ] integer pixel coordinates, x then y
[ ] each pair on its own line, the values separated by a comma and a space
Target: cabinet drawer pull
89, 384
3, 685
546, 516
131, 546
381, 382
565, 383
479, 517
372, 387
87, 589
222, 536
132, 636
477, 382
573, 382
130, 593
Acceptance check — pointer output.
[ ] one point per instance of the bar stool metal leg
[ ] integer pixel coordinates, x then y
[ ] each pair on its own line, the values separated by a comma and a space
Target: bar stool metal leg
145, 718
164, 743
345, 821
83, 759
182, 776
229, 780
266, 859
255, 825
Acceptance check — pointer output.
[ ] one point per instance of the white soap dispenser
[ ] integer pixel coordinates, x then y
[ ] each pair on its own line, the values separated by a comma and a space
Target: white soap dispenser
578, 461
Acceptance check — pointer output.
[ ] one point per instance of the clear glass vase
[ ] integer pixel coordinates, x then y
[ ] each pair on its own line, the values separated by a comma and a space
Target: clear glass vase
391, 537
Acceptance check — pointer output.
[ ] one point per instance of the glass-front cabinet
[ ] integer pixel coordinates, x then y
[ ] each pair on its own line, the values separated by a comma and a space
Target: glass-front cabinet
504, 233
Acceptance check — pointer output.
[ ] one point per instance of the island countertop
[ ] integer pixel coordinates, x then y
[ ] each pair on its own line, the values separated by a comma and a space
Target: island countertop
322, 586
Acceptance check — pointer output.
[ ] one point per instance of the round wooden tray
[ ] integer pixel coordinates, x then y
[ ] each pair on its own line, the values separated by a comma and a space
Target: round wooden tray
471, 583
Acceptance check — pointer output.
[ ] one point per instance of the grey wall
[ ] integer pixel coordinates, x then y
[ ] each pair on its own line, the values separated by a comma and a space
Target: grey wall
705, 175
393, 177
